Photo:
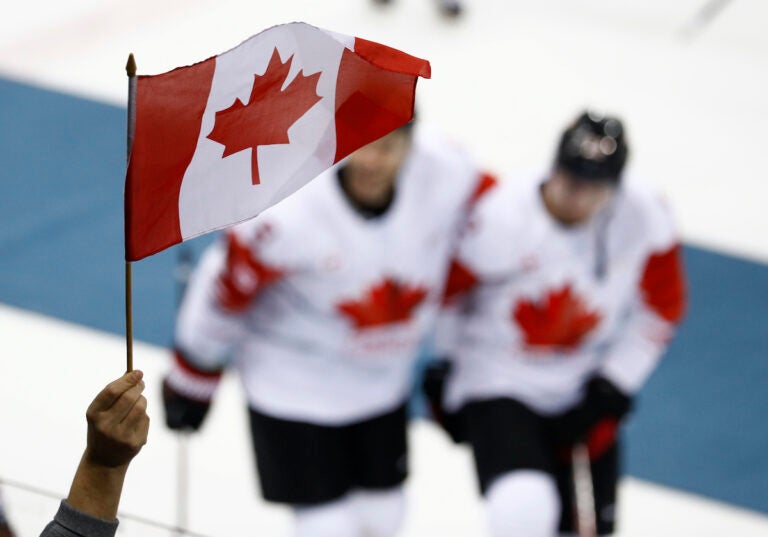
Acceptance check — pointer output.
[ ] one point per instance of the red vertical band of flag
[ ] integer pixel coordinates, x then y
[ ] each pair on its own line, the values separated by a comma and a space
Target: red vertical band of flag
375, 93
169, 110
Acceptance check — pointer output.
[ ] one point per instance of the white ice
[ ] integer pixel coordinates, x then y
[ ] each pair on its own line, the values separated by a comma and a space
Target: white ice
48, 382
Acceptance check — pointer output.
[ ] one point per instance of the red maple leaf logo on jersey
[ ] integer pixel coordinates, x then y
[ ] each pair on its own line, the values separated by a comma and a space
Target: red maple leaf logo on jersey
269, 113
385, 303
561, 319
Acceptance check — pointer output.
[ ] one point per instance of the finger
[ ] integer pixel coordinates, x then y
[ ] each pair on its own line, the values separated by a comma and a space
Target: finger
136, 413
137, 422
133, 431
112, 392
120, 409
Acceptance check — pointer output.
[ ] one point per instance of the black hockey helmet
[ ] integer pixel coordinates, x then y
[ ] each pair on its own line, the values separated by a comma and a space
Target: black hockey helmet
593, 148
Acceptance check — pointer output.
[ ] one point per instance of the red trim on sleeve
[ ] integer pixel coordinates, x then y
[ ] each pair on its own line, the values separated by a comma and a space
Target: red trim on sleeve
244, 276
663, 284
190, 369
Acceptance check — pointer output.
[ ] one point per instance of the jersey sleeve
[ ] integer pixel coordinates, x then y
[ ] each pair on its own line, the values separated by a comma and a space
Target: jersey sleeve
461, 274
659, 305
211, 321
461, 278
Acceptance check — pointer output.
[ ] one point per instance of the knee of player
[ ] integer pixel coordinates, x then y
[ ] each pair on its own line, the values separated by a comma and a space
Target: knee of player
523, 502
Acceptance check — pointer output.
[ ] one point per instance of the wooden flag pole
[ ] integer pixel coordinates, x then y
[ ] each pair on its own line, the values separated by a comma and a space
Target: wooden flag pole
130, 69
128, 318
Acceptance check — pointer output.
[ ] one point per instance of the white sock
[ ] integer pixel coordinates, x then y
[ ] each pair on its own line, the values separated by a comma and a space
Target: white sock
333, 519
523, 502
380, 512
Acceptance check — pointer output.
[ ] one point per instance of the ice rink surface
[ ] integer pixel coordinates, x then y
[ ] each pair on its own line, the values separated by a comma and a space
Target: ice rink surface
47, 440
505, 79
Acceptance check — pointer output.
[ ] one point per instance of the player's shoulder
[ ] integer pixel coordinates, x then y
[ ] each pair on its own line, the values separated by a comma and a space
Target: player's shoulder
513, 199
503, 215
643, 199
443, 154
292, 217
644, 206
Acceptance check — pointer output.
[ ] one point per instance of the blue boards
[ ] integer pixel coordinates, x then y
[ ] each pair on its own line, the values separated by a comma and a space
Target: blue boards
699, 424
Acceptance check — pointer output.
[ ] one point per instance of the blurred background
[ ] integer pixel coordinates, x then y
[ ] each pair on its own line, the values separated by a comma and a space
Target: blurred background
688, 77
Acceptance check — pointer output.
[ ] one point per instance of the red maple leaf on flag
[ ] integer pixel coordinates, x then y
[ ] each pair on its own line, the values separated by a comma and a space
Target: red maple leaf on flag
387, 302
269, 113
561, 319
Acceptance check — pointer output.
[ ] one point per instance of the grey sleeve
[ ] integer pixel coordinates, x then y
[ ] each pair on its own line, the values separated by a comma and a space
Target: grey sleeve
69, 522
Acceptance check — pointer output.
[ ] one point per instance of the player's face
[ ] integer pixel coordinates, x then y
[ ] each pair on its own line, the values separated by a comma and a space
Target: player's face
371, 170
573, 201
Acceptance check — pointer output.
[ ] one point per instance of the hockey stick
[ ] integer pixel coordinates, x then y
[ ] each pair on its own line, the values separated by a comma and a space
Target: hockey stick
182, 483
183, 271
705, 15
583, 492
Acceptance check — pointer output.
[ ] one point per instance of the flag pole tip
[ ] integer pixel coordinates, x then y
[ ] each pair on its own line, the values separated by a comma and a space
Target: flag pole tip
130, 67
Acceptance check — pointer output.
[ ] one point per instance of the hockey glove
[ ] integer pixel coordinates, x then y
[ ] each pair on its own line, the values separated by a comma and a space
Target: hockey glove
181, 412
433, 384
603, 404
187, 393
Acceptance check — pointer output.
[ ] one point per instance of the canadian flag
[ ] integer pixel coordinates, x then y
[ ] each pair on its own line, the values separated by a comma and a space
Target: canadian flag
219, 141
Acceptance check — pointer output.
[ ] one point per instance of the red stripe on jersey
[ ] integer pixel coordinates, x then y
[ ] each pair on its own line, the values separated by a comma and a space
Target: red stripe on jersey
485, 183
244, 276
190, 369
663, 284
460, 280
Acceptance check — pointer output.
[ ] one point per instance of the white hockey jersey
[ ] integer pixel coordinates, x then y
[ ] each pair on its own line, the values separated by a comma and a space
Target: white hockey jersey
549, 306
321, 310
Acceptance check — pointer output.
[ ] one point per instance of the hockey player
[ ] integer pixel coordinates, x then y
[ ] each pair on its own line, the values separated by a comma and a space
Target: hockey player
321, 304
566, 293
